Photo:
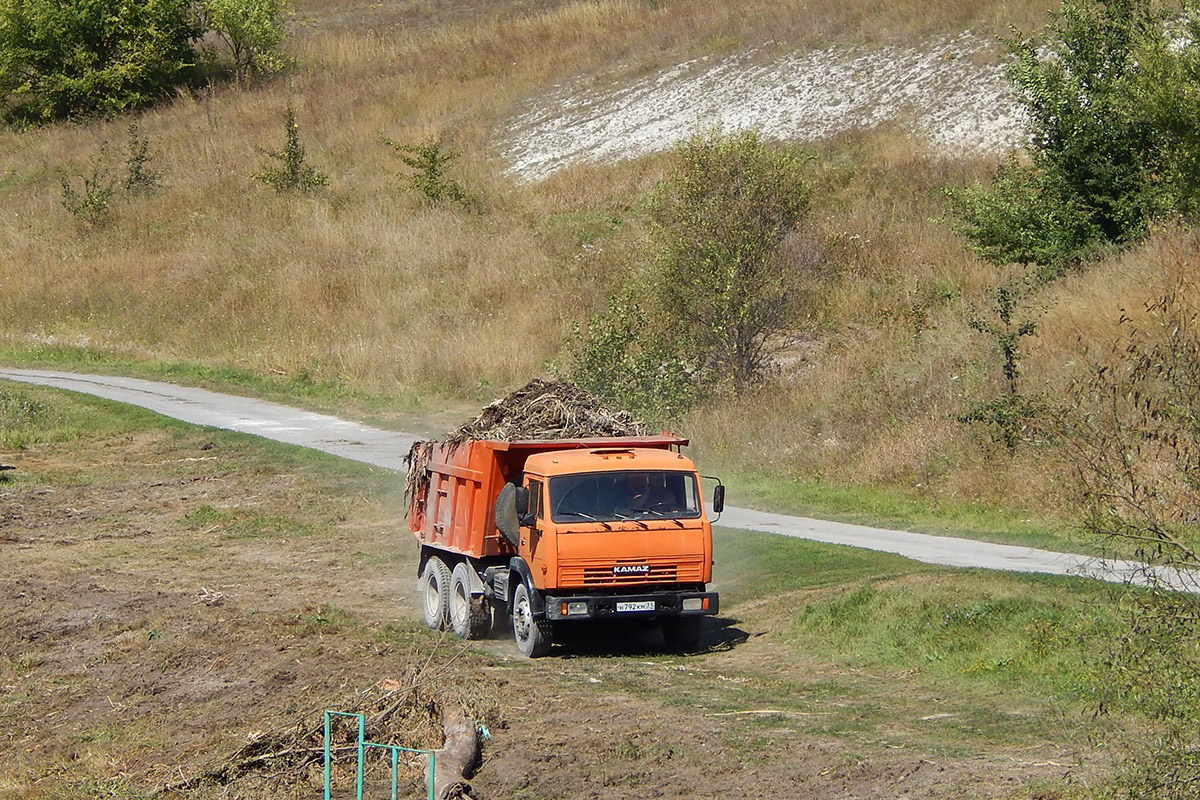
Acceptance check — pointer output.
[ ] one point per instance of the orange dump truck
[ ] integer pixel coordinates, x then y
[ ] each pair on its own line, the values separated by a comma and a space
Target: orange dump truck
551, 532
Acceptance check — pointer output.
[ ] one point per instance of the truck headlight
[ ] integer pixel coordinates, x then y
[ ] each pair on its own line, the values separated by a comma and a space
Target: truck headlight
693, 603
576, 608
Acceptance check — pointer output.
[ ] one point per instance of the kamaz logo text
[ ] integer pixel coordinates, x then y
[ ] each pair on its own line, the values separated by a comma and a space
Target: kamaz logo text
631, 569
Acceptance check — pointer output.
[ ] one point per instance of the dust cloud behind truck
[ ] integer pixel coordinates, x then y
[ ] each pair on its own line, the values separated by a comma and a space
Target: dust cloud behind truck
548, 533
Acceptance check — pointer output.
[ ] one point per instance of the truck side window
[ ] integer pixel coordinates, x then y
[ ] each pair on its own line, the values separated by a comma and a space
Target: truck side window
535, 498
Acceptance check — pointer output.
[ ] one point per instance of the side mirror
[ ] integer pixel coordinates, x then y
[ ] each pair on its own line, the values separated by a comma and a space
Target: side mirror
523, 516
718, 503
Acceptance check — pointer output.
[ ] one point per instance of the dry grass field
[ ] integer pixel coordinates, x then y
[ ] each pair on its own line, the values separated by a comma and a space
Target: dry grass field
362, 285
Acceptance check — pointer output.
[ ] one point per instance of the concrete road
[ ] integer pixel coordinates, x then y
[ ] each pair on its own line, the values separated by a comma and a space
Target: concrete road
386, 449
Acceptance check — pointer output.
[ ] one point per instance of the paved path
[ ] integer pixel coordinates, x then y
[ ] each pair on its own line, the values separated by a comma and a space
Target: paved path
386, 449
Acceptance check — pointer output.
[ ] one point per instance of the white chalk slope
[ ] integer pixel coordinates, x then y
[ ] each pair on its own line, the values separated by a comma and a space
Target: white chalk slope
950, 90
381, 448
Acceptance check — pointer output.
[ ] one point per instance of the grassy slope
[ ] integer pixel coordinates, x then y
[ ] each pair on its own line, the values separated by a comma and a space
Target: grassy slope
361, 292
870, 652
932, 657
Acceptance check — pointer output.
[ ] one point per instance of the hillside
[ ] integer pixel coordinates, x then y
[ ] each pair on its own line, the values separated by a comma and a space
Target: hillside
186, 601
362, 286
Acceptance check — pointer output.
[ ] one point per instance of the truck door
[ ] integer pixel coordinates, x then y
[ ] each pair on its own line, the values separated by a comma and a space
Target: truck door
537, 551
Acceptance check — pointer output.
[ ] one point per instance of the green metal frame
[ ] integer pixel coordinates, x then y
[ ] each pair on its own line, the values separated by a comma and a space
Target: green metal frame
360, 752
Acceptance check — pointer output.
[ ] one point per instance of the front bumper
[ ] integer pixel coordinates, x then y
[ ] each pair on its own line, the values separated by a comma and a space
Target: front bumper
665, 604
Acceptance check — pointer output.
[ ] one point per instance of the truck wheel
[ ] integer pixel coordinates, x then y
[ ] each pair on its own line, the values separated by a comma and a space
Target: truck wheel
469, 616
533, 636
435, 593
682, 634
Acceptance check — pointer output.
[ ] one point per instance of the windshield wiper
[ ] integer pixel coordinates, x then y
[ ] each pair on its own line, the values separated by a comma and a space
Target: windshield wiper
663, 515
624, 518
586, 516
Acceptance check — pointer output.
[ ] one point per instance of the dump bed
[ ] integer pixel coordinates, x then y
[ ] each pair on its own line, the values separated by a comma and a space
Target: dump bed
454, 509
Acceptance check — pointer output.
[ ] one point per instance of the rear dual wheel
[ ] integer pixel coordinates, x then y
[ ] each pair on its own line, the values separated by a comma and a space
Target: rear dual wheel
446, 600
434, 588
470, 617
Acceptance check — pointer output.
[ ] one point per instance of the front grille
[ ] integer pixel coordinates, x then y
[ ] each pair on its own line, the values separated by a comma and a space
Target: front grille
600, 576
600, 573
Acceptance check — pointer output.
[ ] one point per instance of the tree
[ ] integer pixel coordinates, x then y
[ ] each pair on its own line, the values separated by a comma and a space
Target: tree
251, 31
1131, 435
287, 169
718, 219
1169, 96
79, 58
1095, 158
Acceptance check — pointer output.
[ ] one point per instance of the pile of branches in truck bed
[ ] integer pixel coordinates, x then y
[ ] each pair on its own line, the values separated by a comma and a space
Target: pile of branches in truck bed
538, 410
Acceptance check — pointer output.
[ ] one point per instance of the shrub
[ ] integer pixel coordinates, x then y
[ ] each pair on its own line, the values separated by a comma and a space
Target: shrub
92, 202
1096, 158
1131, 433
73, 58
430, 163
1012, 414
287, 170
718, 219
251, 31
1024, 218
139, 178
626, 361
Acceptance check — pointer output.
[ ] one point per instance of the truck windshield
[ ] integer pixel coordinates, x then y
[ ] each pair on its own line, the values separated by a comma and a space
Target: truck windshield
610, 496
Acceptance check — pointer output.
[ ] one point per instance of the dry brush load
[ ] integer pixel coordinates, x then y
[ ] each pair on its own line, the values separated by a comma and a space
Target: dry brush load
540, 409
425, 707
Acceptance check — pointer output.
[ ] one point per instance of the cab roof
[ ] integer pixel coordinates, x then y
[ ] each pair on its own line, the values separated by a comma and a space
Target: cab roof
605, 459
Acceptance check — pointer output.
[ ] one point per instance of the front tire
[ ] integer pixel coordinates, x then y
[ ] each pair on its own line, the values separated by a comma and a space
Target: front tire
435, 593
533, 636
469, 616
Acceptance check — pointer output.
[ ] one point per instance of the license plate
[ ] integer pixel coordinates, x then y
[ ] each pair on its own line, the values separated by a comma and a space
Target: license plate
638, 605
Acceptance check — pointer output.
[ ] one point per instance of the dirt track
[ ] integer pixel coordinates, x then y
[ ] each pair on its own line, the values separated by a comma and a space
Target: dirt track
385, 448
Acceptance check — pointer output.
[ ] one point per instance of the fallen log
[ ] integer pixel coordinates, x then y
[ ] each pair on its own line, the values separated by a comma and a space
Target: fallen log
459, 757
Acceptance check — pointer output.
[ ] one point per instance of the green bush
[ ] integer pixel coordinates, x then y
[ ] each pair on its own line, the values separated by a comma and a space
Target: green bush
628, 362
139, 177
91, 203
1024, 218
287, 170
718, 220
251, 31
1011, 415
717, 288
78, 58
1098, 155
430, 164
